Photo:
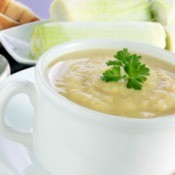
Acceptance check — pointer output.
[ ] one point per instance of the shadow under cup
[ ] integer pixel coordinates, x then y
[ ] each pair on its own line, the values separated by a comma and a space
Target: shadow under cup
69, 139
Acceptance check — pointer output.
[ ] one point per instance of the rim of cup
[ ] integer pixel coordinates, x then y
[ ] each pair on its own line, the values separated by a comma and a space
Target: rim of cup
89, 44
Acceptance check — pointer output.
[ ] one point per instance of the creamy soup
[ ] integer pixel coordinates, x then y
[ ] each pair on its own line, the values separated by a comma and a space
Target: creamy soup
77, 77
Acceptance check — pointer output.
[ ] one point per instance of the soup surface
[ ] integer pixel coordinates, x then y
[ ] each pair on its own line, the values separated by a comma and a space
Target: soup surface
77, 77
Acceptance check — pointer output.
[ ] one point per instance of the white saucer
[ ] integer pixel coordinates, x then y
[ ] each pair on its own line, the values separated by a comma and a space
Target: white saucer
16, 158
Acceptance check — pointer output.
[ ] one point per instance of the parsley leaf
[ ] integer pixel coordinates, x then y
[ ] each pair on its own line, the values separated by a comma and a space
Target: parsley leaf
113, 74
135, 72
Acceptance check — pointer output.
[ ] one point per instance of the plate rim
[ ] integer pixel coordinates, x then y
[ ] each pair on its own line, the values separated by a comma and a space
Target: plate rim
6, 33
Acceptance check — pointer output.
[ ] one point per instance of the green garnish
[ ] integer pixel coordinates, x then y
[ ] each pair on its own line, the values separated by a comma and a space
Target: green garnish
135, 72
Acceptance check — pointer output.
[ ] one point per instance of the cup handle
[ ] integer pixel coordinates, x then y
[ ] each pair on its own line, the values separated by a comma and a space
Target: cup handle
12, 88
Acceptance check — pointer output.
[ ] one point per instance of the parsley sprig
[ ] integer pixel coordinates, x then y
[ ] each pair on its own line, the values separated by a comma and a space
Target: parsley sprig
135, 72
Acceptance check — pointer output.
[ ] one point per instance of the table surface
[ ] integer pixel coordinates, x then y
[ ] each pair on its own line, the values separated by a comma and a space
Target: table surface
43, 13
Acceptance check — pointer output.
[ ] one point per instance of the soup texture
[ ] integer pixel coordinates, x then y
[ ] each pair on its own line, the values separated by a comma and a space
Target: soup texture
77, 77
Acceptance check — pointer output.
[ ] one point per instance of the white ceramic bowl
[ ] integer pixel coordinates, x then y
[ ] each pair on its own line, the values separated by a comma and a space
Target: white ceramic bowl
70, 139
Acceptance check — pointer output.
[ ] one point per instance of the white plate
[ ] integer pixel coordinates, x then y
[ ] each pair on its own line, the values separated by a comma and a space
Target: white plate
16, 41
16, 158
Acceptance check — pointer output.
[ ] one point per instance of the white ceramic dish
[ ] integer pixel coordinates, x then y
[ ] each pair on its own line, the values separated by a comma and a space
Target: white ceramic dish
72, 140
15, 158
16, 41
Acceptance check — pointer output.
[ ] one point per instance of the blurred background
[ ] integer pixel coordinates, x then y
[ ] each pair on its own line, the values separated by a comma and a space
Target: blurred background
40, 7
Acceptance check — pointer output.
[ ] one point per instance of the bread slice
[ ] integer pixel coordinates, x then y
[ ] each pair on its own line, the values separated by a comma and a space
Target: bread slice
14, 10
19, 12
3, 5
28, 16
6, 22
